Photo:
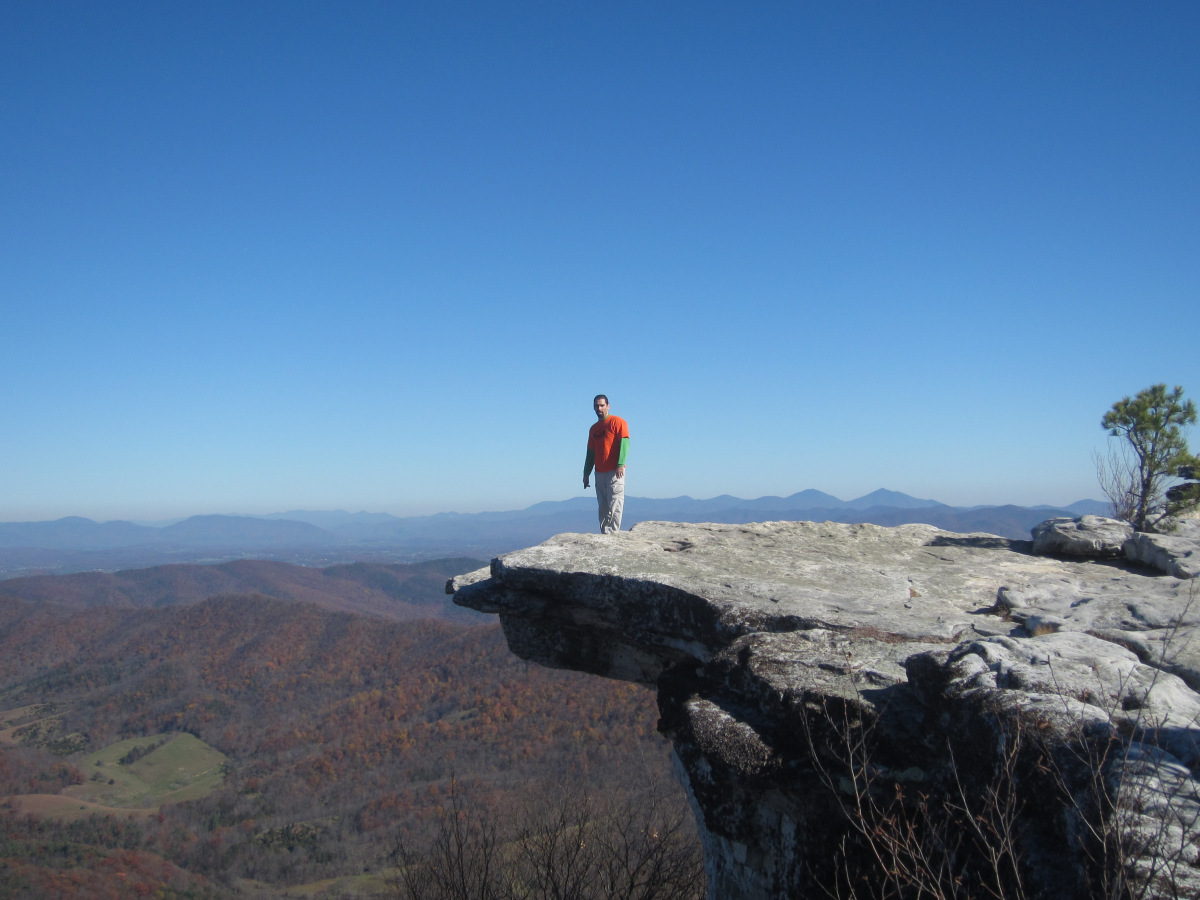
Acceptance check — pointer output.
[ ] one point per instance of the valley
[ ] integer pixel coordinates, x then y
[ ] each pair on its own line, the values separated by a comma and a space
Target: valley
254, 744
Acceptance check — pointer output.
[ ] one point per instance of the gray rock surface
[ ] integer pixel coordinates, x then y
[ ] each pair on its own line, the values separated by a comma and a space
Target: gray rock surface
1093, 536
1173, 554
1187, 528
780, 649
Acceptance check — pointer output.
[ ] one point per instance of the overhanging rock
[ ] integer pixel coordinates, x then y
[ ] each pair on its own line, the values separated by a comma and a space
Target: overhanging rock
798, 662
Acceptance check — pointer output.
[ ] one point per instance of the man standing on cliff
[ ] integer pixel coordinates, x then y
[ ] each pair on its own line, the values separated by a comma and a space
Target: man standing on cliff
608, 442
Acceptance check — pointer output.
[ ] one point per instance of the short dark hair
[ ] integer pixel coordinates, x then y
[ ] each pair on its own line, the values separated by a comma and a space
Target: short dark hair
598, 396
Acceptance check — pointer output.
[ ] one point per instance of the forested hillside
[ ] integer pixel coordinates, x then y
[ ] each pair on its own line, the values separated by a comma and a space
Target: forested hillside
395, 591
340, 732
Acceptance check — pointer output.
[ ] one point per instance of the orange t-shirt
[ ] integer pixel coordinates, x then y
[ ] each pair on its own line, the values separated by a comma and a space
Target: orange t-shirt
604, 440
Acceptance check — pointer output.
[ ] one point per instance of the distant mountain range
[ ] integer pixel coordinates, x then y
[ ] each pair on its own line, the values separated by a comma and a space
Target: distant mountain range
329, 537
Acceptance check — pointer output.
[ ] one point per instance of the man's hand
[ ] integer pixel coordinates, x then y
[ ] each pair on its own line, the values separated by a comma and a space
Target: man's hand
585, 482
620, 471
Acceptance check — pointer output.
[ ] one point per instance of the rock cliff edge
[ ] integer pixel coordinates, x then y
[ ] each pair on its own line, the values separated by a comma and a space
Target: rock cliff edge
853, 702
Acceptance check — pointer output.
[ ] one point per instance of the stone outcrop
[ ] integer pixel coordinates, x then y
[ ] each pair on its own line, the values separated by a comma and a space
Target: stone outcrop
1168, 553
1096, 537
1089, 536
824, 683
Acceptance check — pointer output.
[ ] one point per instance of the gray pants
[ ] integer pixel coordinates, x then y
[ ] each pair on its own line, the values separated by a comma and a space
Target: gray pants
610, 494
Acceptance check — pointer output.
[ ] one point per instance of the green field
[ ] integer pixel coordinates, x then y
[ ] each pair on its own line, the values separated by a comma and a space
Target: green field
182, 768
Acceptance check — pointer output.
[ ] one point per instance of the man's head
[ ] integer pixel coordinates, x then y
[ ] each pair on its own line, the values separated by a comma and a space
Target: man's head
600, 405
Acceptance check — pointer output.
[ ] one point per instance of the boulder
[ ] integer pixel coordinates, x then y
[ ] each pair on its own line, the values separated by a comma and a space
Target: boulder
1171, 554
1088, 536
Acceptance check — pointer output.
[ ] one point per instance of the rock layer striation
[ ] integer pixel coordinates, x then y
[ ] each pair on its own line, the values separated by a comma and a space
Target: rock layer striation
823, 683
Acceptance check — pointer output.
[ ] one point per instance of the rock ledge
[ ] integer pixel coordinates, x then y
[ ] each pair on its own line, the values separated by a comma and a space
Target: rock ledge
777, 647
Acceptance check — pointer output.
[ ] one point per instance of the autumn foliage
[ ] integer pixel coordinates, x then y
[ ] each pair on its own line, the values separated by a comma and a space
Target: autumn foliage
341, 730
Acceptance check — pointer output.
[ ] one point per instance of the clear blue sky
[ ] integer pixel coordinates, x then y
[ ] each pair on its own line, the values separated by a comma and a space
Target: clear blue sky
380, 255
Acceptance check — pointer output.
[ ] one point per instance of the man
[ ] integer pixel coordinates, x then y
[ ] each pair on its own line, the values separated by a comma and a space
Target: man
608, 442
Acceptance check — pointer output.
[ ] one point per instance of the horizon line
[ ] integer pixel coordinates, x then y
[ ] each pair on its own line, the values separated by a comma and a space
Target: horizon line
170, 520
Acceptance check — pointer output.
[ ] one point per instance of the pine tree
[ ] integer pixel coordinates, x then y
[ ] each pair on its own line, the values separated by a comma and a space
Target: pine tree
1153, 450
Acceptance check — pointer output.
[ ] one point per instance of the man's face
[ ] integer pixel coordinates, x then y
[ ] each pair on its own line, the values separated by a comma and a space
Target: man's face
601, 407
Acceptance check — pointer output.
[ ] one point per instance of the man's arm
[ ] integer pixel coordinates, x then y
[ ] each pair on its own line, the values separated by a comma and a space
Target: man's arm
588, 463
621, 457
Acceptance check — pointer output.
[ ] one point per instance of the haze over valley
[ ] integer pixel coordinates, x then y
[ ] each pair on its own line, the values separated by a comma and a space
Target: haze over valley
228, 731
324, 538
